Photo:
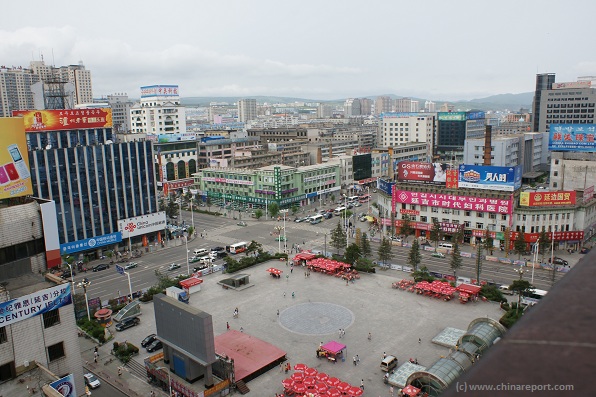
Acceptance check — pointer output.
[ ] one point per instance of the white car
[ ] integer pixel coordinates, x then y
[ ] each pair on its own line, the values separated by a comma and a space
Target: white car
91, 381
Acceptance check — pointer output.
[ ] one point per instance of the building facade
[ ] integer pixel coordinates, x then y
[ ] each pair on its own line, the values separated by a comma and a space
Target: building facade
453, 128
158, 112
383, 104
397, 129
16, 89
120, 105
247, 110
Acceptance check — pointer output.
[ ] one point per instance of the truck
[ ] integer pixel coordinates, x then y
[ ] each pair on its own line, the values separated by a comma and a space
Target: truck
177, 293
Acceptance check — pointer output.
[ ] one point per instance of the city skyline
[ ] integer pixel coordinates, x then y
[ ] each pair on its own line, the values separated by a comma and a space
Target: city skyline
325, 51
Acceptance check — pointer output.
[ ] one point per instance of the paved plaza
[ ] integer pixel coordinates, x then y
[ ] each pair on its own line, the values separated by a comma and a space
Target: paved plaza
323, 304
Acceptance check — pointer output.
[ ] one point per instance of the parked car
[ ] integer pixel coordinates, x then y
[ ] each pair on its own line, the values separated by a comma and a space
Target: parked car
91, 381
218, 249
173, 266
66, 274
101, 266
127, 323
241, 223
148, 340
155, 345
131, 265
327, 215
395, 238
438, 254
559, 261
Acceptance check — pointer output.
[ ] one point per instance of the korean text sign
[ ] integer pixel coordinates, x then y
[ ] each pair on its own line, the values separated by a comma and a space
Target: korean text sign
466, 203
65, 119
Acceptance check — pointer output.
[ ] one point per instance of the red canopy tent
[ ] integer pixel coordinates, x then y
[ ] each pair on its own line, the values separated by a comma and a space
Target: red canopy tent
310, 372
300, 367
355, 391
410, 391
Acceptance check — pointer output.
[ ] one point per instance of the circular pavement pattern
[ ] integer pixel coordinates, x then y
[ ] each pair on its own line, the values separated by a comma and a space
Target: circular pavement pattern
316, 318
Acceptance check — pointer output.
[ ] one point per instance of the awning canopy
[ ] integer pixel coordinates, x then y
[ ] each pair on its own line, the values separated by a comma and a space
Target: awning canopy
191, 282
333, 347
469, 289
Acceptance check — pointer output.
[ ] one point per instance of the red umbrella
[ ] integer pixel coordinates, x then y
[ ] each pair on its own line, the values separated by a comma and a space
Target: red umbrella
343, 387
333, 381
299, 387
310, 372
333, 392
322, 376
287, 383
320, 387
355, 391
300, 367
309, 381
410, 390
297, 376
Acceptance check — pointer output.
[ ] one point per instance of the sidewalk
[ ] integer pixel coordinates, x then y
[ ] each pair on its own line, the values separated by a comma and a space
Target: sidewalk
128, 383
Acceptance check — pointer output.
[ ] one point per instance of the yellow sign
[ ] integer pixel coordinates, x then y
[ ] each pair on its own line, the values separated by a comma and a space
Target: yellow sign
15, 175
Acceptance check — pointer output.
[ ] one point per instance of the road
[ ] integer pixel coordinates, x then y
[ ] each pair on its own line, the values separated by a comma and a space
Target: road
221, 231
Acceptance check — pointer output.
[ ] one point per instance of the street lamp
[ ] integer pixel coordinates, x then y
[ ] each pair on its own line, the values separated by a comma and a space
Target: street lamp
285, 236
520, 271
71, 278
186, 244
192, 212
535, 258
169, 378
325, 246
85, 283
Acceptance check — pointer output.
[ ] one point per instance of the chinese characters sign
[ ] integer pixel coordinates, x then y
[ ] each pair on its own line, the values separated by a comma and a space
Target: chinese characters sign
34, 304
572, 137
539, 199
480, 204
556, 236
490, 177
410, 171
65, 119
451, 182
159, 90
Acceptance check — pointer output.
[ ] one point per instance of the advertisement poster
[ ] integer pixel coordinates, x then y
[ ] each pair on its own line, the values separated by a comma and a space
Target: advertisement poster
489, 177
572, 137
541, 199
139, 225
65, 119
15, 175
91, 243
466, 203
65, 386
410, 171
34, 304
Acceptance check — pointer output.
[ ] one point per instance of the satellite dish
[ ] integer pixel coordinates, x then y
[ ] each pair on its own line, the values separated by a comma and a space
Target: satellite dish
48, 147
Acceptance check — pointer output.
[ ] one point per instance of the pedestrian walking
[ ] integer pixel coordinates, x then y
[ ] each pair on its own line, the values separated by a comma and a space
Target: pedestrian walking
228, 325
119, 371
278, 312
293, 295
95, 356
292, 269
357, 358
369, 336
284, 294
354, 360
339, 332
419, 340
391, 390
241, 329
362, 384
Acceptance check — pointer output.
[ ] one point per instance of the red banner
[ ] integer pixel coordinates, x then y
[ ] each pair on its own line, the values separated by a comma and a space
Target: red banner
452, 178
65, 119
408, 212
540, 199
557, 236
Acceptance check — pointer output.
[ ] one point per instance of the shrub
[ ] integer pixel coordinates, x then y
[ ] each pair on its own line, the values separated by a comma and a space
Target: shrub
492, 293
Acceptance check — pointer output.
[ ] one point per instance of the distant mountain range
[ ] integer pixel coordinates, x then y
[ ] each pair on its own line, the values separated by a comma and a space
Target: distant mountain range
501, 102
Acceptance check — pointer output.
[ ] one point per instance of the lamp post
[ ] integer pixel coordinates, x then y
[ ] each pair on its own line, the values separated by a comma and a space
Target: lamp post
85, 283
285, 236
192, 212
325, 246
535, 258
368, 202
187, 262
346, 217
520, 271
71, 278
169, 378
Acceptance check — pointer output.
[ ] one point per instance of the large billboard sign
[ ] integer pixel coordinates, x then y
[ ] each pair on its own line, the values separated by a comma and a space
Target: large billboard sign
466, 203
15, 175
385, 185
166, 138
541, 199
572, 84
139, 225
490, 177
40, 302
572, 138
452, 116
65, 119
410, 171
91, 243
159, 90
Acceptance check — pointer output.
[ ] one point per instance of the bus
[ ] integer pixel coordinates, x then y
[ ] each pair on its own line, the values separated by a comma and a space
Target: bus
237, 247
364, 198
316, 219
352, 199
532, 297
339, 211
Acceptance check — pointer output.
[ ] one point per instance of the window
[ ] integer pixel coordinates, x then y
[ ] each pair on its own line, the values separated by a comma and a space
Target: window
468, 213
3, 337
56, 351
423, 219
51, 318
435, 209
467, 224
492, 216
479, 225
480, 214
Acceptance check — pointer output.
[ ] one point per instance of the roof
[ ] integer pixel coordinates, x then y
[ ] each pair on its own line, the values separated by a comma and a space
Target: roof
333, 346
469, 288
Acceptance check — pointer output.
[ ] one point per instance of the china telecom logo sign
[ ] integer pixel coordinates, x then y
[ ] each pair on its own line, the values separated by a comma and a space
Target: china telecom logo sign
130, 227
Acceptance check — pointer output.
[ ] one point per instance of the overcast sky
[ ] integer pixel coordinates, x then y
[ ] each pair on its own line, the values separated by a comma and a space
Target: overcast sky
313, 49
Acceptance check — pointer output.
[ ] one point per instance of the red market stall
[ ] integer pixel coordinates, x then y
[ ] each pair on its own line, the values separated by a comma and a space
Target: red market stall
276, 273
303, 257
332, 351
468, 292
410, 391
191, 285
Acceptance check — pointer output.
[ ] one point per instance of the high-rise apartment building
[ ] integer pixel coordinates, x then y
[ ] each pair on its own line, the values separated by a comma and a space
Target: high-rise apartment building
430, 107
15, 89
324, 111
76, 75
383, 104
398, 129
352, 107
404, 105
543, 82
158, 112
247, 110
452, 131
365, 106
120, 105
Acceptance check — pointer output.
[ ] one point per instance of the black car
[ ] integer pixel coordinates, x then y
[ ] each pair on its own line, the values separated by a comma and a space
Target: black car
218, 249
155, 345
66, 274
101, 266
559, 261
149, 339
127, 323
328, 215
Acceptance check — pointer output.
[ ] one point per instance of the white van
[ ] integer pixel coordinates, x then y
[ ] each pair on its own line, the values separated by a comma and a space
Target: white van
446, 245
388, 363
206, 260
200, 252
339, 211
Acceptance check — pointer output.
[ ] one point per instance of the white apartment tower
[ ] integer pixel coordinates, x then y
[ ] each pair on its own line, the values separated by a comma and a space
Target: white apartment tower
247, 110
382, 104
158, 112
121, 106
77, 75
401, 129
15, 90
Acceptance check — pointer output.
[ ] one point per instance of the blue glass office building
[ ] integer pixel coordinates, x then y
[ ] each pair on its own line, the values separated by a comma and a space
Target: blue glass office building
93, 181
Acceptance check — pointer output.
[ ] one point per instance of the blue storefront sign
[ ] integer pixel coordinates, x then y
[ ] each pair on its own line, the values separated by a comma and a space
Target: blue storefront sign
385, 186
91, 243
489, 177
572, 137
34, 304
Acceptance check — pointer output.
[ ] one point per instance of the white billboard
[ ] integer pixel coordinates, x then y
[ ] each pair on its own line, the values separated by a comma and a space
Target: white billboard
139, 225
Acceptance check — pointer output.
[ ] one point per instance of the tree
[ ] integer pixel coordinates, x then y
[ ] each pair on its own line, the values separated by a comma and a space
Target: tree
258, 213
254, 247
338, 237
544, 243
456, 260
332, 198
459, 234
365, 245
208, 203
436, 234
519, 246
273, 210
352, 254
521, 287
294, 208
406, 226
488, 241
384, 251
414, 257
